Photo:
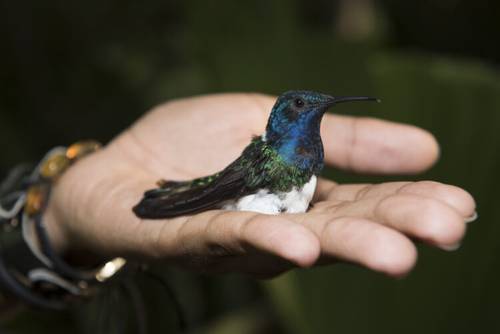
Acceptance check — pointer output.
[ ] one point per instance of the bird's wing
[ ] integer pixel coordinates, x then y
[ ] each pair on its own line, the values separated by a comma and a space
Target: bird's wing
189, 197
258, 167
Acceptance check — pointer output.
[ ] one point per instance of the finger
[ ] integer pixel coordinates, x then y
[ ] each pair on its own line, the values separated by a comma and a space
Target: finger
425, 218
457, 198
376, 146
420, 217
218, 234
363, 242
328, 190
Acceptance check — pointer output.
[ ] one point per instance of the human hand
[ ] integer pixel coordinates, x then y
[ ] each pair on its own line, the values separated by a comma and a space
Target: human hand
370, 225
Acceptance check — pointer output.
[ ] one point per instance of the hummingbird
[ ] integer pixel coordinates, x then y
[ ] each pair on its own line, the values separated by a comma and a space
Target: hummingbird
276, 173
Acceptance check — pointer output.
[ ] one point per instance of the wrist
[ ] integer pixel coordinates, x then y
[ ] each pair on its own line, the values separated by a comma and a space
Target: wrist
54, 228
67, 213
34, 223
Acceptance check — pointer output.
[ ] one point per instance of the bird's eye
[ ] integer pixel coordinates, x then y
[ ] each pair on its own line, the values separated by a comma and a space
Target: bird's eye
299, 103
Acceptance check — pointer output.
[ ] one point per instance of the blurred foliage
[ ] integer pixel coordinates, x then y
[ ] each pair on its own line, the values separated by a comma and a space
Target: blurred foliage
72, 70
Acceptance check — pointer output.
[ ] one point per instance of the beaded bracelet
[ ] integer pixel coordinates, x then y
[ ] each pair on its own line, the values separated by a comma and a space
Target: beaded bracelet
33, 271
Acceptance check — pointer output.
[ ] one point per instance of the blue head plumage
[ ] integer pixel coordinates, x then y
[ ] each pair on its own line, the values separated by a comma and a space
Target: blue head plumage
293, 128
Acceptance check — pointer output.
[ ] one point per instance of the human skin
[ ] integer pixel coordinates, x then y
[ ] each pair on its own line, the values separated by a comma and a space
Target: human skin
372, 225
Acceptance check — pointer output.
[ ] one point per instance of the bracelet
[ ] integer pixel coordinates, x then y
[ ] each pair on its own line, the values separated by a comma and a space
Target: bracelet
29, 267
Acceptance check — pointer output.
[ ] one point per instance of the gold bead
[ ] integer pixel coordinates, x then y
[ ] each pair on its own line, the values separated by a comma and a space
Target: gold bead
54, 166
82, 148
34, 200
110, 268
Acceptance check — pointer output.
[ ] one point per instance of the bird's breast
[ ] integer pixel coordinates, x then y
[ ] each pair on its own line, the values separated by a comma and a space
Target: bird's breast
264, 201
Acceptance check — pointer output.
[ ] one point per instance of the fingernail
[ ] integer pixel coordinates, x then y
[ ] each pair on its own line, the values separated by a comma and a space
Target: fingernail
451, 248
471, 218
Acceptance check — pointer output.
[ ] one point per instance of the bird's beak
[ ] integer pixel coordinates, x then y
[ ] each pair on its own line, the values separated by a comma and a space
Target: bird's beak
340, 99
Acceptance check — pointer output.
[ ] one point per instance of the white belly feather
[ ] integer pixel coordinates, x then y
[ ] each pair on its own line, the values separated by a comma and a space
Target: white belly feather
294, 201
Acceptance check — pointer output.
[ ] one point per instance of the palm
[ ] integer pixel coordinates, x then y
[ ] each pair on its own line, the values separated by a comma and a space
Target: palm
194, 138
366, 224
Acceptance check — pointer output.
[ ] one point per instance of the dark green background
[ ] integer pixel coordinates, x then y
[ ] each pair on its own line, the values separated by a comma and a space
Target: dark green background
73, 70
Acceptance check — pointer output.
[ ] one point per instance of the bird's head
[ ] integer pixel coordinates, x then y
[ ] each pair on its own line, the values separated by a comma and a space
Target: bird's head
299, 112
